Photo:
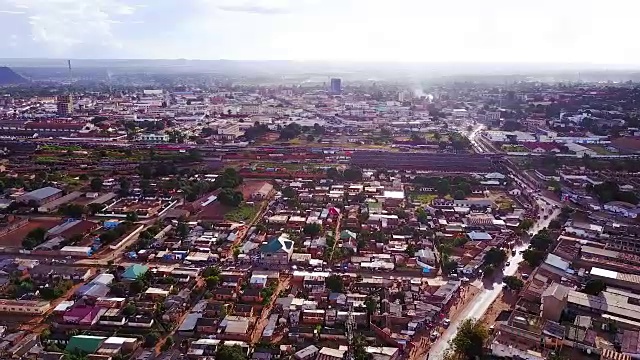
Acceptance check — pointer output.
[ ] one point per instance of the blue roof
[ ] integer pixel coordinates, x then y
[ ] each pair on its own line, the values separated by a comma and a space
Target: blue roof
95, 290
479, 236
277, 244
133, 271
557, 262
43, 193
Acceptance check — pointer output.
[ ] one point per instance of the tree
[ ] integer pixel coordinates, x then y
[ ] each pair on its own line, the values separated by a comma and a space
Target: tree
513, 283
335, 283
555, 225
129, 310
212, 281
495, 257
137, 286
417, 139
182, 230
291, 131
125, 187
594, 287
96, 184
74, 211
541, 241
526, 224
230, 197
443, 187
371, 304
312, 229
333, 174
459, 195
533, 257
211, 271
94, 208
289, 192
34, 238
352, 174
449, 266
167, 344
118, 289
234, 352
469, 340
132, 216
151, 339
488, 271
411, 250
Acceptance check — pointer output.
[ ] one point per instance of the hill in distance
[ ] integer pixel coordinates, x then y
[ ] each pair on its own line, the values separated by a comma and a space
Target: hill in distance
10, 77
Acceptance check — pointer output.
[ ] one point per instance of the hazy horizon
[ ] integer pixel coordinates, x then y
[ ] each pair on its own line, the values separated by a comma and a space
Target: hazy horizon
406, 31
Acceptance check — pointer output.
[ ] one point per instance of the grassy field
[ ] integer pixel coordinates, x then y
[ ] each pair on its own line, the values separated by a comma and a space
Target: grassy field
504, 203
243, 213
425, 199
599, 150
514, 148
431, 137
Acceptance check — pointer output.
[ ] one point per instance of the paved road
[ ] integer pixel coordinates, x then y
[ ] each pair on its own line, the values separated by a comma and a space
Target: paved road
472, 138
485, 298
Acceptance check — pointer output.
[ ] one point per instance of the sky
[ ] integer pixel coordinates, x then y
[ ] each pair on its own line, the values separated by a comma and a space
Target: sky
541, 31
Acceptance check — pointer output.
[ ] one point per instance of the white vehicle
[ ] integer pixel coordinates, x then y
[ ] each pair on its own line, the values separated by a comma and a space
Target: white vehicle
446, 322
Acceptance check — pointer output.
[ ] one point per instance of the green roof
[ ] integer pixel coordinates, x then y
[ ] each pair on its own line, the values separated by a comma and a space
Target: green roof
85, 343
134, 271
277, 244
346, 234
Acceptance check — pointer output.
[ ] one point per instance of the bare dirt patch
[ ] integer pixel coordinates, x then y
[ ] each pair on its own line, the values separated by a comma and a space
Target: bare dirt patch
14, 238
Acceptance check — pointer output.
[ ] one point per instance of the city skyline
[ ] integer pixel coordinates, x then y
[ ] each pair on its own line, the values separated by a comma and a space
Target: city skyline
494, 31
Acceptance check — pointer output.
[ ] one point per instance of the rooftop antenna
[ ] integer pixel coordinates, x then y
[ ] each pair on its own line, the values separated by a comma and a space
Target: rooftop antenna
350, 355
70, 73
109, 82
70, 76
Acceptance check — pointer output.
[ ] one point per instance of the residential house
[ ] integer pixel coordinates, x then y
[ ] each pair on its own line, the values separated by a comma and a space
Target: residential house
277, 252
251, 295
223, 294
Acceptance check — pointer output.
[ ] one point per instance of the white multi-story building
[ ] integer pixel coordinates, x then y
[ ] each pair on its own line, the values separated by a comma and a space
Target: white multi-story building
251, 109
154, 138
493, 115
405, 96
460, 114
229, 131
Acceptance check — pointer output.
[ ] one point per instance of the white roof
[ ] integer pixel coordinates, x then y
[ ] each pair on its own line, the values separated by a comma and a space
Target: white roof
83, 249
394, 194
332, 352
119, 340
604, 273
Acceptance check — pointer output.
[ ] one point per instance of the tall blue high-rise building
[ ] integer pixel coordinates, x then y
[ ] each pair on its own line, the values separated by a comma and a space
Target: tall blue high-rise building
336, 86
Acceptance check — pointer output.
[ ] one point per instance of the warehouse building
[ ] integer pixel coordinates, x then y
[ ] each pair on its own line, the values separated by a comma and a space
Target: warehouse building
41, 196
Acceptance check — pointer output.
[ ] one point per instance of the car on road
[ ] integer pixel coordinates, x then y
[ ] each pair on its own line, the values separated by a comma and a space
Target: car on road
446, 322
434, 336
525, 276
508, 263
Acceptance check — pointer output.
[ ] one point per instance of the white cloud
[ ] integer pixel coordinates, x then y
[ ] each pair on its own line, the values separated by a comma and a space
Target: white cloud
63, 24
13, 40
264, 7
12, 12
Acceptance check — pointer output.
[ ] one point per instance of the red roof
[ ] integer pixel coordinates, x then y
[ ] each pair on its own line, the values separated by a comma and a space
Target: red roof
52, 125
546, 146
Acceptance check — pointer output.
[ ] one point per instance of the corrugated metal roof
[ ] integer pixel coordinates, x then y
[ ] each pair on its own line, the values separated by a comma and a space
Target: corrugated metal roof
43, 193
